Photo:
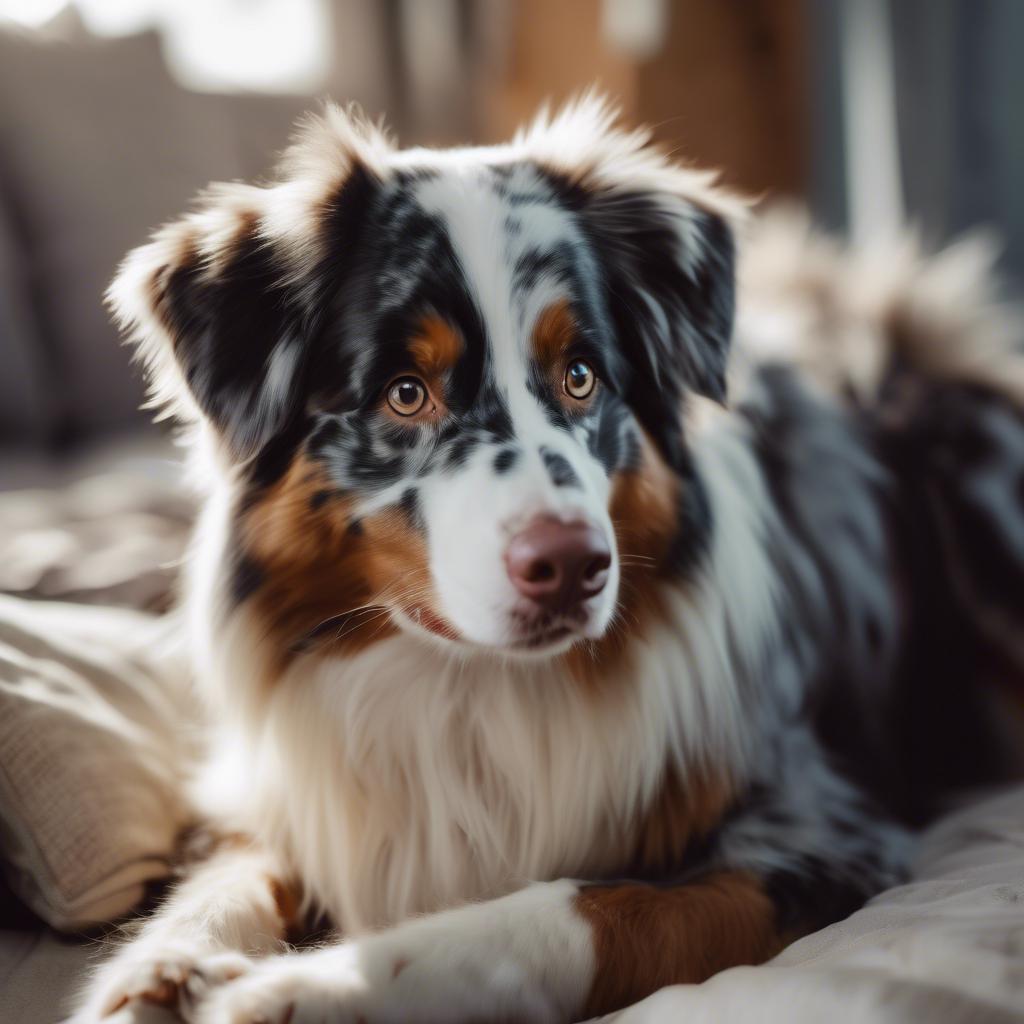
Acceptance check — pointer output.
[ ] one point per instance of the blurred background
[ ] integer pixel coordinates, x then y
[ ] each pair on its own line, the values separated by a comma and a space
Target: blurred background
114, 112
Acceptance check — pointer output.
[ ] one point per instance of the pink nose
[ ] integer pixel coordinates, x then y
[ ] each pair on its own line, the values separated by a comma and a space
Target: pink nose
558, 565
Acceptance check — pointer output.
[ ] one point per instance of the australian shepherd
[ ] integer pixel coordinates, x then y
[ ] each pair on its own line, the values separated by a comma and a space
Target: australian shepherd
541, 670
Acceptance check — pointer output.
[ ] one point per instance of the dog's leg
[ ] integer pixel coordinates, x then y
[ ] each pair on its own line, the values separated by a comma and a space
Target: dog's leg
232, 904
783, 864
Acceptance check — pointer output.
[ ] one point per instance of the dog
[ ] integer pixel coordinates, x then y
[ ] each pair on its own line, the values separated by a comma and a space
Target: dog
550, 655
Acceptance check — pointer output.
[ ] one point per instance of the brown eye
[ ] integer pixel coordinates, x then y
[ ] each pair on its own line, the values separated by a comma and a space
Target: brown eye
407, 396
579, 379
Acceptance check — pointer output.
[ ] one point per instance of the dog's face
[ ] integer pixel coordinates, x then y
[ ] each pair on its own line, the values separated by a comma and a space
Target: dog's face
449, 386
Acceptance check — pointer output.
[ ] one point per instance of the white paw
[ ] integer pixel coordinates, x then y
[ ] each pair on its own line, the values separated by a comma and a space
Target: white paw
303, 988
177, 976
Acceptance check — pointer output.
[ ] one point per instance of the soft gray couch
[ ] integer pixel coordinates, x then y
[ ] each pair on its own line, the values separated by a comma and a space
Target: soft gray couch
98, 146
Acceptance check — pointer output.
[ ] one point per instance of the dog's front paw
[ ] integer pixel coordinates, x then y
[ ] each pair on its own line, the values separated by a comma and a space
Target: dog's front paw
325, 987
177, 976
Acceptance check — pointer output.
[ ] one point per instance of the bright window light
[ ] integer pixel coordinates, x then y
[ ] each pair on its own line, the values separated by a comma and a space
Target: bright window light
216, 45
30, 13
268, 45
124, 17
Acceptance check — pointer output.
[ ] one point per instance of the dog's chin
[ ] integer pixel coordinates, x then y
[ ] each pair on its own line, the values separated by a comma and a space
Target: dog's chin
533, 633
541, 644
530, 638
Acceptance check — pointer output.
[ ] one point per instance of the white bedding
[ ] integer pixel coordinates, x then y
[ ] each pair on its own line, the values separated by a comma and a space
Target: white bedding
947, 948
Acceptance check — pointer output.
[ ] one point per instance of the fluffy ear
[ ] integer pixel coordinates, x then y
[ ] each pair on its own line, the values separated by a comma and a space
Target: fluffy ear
212, 321
218, 303
664, 241
670, 276
669, 283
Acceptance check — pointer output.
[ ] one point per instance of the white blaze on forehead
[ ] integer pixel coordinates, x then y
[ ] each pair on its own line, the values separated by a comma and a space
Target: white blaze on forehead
476, 217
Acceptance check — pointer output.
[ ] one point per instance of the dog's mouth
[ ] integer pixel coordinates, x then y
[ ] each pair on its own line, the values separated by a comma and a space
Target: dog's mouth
534, 633
545, 637
529, 634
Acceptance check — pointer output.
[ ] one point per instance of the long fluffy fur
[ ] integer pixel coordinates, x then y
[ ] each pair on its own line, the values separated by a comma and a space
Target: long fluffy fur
771, 573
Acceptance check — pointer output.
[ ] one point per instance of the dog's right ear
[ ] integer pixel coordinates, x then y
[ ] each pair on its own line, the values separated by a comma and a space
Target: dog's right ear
221, 303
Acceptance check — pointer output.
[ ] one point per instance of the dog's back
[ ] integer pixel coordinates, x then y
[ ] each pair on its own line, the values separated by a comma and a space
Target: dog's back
925, 358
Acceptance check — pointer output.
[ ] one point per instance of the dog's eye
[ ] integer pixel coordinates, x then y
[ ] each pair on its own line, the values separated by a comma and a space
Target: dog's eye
406, 396
579, 379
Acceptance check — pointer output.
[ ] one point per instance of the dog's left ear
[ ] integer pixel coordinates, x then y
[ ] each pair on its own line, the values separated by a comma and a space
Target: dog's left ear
669, 269
662, 235
668, 273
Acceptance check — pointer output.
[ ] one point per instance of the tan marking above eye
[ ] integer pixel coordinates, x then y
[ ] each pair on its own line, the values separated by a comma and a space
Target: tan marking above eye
553, 334
579, 380
436, 347
407, 396
315, 568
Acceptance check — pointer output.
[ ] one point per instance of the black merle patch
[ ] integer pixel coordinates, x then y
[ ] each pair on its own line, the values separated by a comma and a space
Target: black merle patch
460, 448
670, 311
224, 330
246, 578
409, 503
559, 469
534, 264
505, 460
606, 428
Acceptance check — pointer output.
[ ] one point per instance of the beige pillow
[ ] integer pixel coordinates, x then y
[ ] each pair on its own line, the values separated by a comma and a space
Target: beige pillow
94, 728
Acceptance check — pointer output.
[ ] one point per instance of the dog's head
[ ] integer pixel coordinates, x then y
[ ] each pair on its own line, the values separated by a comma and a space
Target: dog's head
448, 387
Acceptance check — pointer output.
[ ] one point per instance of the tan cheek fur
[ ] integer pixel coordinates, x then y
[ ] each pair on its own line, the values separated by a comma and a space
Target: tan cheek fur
317, 562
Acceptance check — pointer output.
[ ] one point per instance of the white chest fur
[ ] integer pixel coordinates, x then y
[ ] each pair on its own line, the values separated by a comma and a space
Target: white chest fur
402, 780
405, 779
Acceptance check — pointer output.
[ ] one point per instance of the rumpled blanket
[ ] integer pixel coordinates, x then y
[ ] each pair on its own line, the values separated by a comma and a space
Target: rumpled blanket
946, 948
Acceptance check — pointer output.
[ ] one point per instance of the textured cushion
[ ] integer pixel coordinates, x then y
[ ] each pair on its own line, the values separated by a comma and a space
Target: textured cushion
93, 710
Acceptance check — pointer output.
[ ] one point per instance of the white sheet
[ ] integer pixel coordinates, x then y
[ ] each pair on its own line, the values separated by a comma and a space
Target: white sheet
947, 948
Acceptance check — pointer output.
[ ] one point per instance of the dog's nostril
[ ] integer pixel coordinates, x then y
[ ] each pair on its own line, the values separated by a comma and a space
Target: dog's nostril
540, 572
